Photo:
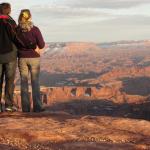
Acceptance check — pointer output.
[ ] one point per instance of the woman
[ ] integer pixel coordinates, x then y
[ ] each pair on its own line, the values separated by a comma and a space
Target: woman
29, 60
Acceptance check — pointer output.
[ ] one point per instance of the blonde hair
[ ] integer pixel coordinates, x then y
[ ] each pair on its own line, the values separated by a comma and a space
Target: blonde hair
25, 16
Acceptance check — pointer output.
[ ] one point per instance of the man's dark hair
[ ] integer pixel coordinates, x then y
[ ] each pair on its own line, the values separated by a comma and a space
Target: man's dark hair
5, 8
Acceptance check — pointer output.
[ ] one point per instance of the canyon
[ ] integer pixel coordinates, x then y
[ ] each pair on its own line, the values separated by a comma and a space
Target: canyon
96, 96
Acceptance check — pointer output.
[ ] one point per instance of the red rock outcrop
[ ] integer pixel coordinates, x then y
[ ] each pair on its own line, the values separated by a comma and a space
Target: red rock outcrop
53, 95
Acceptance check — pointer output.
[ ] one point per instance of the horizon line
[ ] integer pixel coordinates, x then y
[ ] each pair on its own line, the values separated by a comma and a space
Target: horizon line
146, 40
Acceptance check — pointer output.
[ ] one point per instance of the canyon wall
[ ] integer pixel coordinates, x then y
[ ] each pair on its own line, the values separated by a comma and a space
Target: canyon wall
52, 95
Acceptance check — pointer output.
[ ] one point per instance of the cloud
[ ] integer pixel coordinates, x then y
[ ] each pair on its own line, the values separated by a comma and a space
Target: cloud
81, 15
81, 3
103, 3
88, 20
72, 14
65, 22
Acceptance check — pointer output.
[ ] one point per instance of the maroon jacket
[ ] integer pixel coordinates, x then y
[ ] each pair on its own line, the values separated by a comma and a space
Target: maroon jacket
31, 39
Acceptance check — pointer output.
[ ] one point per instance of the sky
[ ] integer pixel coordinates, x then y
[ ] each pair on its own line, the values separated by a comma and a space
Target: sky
88, 20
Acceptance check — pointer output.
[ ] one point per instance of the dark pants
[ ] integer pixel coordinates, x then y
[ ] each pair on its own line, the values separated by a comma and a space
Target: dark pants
32, 66
8, 71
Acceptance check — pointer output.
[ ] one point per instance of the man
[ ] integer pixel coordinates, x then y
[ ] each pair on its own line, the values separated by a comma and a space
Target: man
8, 55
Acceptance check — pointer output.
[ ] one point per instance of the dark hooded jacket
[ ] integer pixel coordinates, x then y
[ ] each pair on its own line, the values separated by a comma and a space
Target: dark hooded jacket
7, 38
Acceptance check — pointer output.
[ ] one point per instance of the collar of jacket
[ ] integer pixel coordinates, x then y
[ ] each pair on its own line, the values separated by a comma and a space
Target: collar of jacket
4, 17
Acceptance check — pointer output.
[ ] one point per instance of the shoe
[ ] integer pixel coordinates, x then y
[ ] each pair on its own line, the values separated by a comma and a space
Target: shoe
11, 108
25, 111
39, 110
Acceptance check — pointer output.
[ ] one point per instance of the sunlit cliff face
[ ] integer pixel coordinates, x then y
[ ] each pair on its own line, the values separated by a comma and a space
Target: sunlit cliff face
118, 72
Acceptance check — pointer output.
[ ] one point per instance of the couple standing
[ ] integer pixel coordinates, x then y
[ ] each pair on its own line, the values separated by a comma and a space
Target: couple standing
24, 41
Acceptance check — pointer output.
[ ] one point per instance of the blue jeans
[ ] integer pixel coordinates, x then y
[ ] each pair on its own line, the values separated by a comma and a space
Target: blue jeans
8, 71
32, 66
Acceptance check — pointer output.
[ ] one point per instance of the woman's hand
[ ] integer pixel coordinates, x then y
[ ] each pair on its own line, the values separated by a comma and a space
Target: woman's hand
39, 51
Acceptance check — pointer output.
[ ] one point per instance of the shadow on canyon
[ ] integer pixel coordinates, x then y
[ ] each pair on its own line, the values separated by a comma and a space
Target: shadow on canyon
47, 79
136, 86
62, 111
65, 79
103, 108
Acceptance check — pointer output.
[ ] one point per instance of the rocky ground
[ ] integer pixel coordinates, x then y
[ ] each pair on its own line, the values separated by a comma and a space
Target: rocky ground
118, 73
62, 131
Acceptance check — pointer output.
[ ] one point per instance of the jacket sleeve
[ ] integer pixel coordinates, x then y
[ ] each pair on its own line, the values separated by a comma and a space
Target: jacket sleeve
39, 38
13, 36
